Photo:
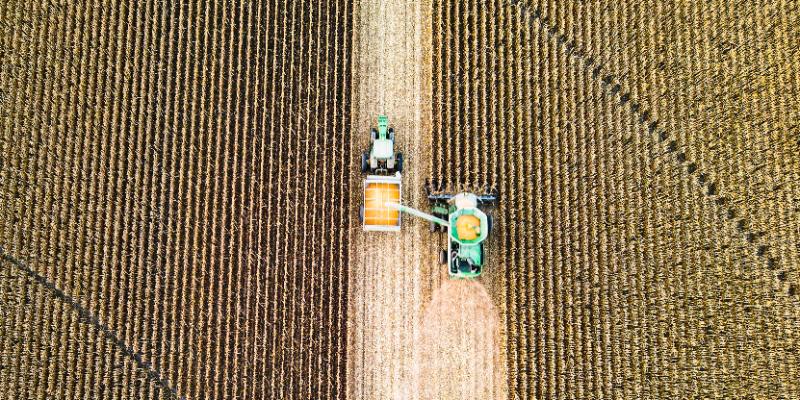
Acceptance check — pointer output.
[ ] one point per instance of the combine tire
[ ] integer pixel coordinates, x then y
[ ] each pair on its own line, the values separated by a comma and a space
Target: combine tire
490, 223
434, 226
443, 257
364, 162
398, 162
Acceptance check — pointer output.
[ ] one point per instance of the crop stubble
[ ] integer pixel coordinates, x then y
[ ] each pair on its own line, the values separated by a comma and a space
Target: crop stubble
459, 344
631, 258
179, 171
390, 273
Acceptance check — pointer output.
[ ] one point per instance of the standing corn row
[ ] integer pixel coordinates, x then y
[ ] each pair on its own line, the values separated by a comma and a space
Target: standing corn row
177, 171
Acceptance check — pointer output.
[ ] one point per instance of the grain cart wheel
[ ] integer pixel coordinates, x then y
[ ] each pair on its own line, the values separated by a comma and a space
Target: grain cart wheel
361, 215
364, 162
398, 162
443, 257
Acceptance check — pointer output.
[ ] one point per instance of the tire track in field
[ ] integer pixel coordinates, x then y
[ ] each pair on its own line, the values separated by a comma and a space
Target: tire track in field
85, 316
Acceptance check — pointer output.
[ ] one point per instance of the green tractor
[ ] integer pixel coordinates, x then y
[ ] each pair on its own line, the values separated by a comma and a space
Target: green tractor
467, 227
381, 158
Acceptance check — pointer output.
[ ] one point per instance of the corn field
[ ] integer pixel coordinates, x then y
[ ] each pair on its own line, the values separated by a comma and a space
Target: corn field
648, 240
175, 171
179, 196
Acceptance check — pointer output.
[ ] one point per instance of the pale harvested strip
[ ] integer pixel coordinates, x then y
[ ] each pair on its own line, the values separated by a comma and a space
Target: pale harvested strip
391, 273
622, 273
179, 170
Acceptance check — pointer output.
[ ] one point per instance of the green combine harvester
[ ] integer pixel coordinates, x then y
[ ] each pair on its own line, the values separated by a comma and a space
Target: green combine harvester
467, 227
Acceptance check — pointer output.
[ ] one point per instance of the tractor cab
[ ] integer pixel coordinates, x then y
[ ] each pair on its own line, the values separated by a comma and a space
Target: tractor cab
381, 158
382, 149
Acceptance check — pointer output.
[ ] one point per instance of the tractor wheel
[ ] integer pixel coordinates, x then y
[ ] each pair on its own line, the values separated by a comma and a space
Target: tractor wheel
443, 257
439, 227
398, 162
391, 134
373, 134
364, 162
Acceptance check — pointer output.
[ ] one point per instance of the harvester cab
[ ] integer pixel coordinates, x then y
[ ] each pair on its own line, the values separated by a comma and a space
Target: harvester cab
381, 158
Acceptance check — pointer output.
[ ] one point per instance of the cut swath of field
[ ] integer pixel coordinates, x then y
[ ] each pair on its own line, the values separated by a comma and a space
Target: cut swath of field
179, 170
459, 349
390, 273
626, 261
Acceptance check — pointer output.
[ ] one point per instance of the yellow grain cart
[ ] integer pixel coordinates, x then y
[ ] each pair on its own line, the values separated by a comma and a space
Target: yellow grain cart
378, 191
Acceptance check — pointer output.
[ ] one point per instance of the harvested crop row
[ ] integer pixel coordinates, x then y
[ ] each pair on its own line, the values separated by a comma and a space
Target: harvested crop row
179, 171
618, 275
391, 273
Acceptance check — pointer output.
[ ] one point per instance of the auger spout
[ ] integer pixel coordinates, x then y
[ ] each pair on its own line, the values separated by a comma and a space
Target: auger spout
417, 213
